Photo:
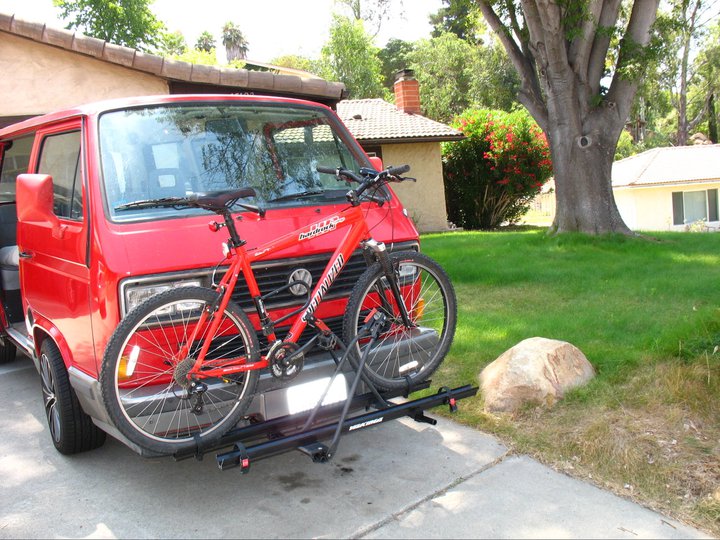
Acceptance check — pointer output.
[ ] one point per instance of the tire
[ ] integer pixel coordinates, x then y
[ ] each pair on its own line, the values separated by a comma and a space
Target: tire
72, 431
7, 352
148, 405
403, 352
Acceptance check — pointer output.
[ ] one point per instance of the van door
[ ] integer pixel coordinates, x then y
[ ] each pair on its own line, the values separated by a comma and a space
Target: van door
53, 257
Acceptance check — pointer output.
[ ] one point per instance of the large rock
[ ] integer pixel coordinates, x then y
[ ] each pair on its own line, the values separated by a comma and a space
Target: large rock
536, 370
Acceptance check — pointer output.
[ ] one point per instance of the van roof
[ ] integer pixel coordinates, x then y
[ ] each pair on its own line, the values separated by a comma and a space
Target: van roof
95, 108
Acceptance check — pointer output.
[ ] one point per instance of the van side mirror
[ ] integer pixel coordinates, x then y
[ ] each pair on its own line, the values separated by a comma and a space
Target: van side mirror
34, 199
376, 163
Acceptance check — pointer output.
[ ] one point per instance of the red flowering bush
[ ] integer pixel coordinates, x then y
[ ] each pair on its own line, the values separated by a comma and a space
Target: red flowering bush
492, 175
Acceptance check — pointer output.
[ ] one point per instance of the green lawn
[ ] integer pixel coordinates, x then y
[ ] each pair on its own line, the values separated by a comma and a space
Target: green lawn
646, 313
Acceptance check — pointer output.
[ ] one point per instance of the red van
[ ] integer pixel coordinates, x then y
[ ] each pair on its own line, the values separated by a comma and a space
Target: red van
72, 266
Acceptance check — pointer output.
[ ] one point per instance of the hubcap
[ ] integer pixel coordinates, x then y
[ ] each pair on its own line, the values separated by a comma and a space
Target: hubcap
49, 398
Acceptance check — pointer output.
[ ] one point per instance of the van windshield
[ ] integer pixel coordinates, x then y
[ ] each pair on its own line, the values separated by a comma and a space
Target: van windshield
176, 150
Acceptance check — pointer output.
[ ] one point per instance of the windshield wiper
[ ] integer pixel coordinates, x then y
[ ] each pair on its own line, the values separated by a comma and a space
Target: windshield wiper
153, 203
298, 195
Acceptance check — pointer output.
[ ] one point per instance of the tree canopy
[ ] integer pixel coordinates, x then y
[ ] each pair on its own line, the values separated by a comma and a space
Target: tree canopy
459, 17
173, 44
236, 46
371, 12
205, 42
350, 56
125, 22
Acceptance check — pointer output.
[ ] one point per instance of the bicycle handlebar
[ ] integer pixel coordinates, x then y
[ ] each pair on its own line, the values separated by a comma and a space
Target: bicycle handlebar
340, 172
367, 178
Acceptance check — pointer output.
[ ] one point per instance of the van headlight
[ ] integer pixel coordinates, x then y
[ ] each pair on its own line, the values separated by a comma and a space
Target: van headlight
137, 294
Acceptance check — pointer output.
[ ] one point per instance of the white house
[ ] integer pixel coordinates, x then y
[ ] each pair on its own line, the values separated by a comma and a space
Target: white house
670, 188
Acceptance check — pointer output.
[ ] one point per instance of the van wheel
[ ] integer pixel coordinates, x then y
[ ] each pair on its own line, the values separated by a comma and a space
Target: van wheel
71, 430
7, 352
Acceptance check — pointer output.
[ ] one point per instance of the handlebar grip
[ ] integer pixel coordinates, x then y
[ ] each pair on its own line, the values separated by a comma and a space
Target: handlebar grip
326, 170
400, 169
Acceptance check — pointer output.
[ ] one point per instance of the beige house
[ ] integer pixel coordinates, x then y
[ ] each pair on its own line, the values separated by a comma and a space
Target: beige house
45, 69
399, 135
672, 188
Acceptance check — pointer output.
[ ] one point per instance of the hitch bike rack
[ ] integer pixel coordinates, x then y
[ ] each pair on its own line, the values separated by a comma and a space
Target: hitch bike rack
305, 431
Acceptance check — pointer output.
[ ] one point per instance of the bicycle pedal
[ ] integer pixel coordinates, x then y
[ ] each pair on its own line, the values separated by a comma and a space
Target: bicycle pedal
317, 451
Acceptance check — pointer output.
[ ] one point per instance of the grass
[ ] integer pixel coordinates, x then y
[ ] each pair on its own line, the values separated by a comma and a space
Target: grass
646, 313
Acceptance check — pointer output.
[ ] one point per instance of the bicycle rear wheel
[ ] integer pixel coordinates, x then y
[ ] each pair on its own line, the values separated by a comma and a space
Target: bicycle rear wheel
403, 351
143, 379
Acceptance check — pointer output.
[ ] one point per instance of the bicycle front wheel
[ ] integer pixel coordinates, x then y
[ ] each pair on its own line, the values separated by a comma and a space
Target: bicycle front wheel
408, 349
144, 380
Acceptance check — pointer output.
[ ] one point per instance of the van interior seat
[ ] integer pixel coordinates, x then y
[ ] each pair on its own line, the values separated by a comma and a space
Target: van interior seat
9, 259
8, 224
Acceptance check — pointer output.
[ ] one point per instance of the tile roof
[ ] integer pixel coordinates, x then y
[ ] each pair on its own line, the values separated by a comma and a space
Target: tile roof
297, 85
376, 120
672, 165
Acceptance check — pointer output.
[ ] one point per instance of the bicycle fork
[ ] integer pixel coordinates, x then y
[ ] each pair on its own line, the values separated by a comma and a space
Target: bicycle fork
381, 254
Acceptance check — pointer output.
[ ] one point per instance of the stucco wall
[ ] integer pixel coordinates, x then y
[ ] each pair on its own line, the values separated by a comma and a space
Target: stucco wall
650, 209
37, 78
424, 199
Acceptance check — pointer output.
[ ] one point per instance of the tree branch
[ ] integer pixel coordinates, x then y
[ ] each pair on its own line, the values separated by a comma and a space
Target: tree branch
524, 62
582, 45
622, 90
601, 44
514, 24
544, 20
706, 106
502, 32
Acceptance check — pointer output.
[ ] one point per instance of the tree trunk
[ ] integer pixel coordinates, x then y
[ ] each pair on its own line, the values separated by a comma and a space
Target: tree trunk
688, 31
583, 189
712, 120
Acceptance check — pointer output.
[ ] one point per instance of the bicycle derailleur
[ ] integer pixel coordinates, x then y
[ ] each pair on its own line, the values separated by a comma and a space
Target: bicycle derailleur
194, 389
286, 362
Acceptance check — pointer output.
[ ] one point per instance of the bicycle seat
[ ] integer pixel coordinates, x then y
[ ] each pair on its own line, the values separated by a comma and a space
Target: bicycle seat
217, 200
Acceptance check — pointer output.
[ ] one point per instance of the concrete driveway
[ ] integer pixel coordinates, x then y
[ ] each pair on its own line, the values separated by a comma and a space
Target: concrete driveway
399, 479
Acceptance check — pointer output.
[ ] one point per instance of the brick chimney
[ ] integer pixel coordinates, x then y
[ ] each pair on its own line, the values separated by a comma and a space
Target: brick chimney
407, 92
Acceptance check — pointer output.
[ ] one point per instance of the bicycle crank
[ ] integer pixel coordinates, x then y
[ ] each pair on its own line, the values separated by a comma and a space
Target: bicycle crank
285, 362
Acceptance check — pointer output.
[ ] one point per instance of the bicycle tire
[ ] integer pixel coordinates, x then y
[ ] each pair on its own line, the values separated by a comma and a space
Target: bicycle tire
403, 354
139, 376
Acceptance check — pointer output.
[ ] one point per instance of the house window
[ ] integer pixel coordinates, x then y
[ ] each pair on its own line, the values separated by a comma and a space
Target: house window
692, 206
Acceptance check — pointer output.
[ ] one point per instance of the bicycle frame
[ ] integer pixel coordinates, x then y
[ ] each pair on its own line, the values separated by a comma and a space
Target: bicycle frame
350, 218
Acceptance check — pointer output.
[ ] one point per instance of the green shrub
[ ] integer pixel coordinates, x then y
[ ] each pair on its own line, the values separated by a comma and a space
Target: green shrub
492, 175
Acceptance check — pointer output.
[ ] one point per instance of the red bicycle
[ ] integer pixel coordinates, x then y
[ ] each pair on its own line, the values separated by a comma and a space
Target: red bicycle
182, 367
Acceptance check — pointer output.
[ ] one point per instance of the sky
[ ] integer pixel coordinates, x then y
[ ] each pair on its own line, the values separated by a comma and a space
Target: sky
272, 27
